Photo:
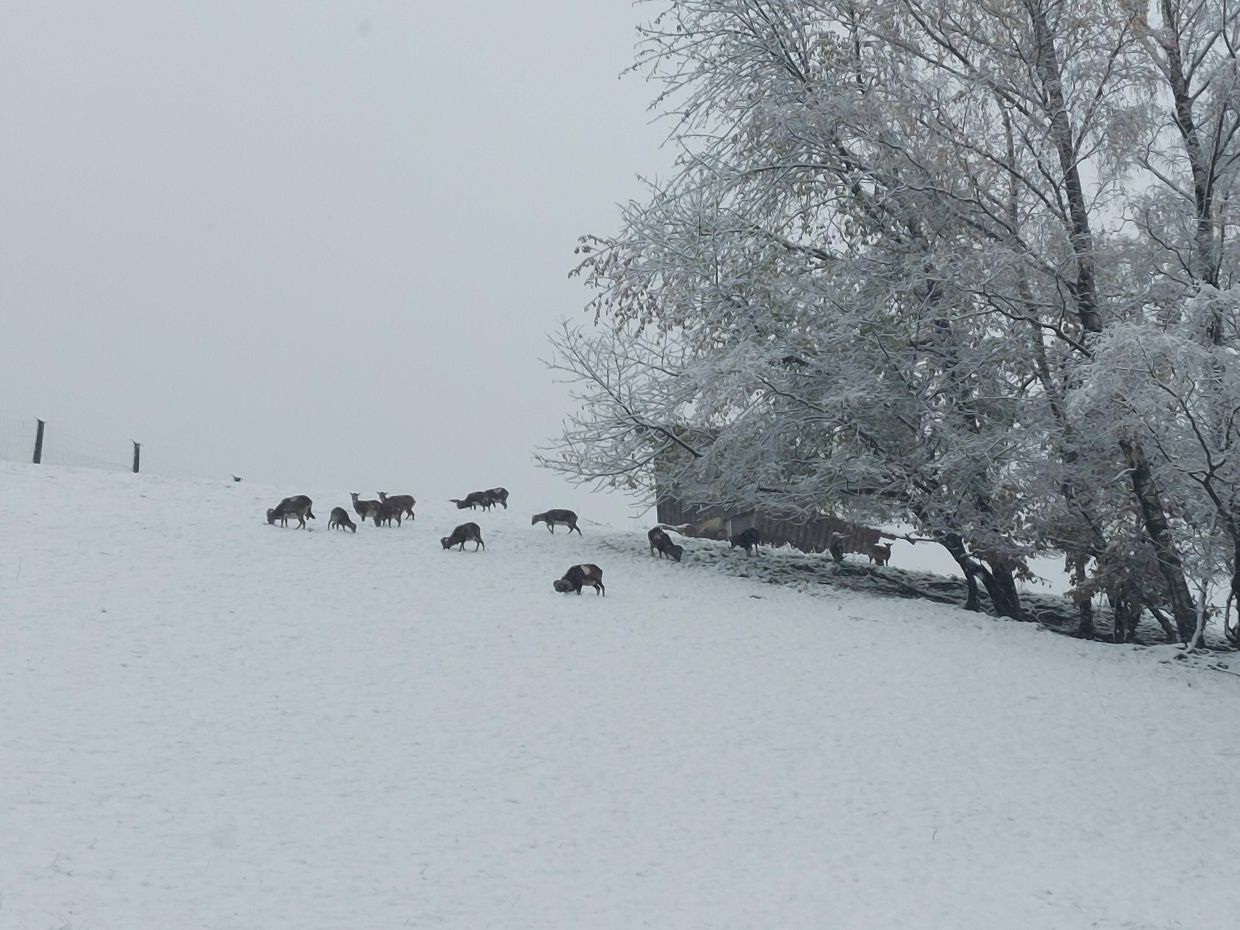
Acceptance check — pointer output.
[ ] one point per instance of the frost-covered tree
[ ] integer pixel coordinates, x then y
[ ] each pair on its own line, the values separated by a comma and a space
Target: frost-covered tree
897, 241
1178, 394
1194, 153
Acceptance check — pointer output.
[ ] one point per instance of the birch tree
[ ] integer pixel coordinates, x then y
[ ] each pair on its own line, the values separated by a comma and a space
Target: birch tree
898, 236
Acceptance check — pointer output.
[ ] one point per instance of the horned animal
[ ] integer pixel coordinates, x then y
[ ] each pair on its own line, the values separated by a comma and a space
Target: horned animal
749, 540
474, 499
388, 511
880, 553
554, 518
662, 543
580, 576
835, 545
296, 506
340, 520
464, 533
404, 501
498, 496
658, 539
365, 510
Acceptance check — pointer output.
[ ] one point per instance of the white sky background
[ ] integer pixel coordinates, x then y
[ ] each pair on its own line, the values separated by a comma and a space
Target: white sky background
312, 243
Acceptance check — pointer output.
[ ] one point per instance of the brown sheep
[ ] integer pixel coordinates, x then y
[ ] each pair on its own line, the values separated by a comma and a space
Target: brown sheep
880, 553
554, 518
473, 499
388, 511
466, 532
580, 576
404, 501
340, 520
749, 540
297, 506
662, 543
364, 509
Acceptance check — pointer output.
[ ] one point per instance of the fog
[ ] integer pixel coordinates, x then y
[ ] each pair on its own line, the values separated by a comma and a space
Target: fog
313, 244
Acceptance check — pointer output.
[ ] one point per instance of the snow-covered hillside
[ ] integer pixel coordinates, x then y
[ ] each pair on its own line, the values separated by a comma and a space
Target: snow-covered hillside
209, 722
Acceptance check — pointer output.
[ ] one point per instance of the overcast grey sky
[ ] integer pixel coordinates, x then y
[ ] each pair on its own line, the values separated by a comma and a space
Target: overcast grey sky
314, 243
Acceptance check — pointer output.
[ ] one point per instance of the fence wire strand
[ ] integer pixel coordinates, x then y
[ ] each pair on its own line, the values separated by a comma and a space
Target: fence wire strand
61, 445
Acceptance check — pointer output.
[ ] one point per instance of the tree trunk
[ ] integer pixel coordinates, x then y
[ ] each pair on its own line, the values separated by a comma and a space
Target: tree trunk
1086, 628
1050, 72
955, 546
1126, 614
1154, 518
972, 600
1001, 586
1168, 629
999, 581
1235, 571
1206, 254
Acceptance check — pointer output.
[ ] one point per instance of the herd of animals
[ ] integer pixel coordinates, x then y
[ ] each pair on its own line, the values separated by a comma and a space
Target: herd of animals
393, 508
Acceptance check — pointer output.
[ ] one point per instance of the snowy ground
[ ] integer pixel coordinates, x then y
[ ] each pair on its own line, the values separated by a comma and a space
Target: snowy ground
207, 722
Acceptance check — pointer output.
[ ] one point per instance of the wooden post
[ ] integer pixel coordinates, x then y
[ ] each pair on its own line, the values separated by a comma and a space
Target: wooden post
38, 442
137, 453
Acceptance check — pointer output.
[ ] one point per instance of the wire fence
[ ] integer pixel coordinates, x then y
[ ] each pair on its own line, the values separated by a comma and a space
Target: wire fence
26, 439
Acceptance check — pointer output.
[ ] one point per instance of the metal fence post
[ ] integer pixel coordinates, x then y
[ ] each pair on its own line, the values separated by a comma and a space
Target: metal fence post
137, 453
38, 442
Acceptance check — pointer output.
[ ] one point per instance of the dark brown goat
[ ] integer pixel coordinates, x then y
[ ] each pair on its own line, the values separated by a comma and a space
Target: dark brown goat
749, 540
388, 511
880, 553
554, 518
365, 510
404, 501
658, 539
466, 532
662, 543
474, 499
296, 506
580, 576
340, 520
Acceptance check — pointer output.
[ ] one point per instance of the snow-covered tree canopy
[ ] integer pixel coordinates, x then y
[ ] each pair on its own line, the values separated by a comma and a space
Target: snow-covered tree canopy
961, 264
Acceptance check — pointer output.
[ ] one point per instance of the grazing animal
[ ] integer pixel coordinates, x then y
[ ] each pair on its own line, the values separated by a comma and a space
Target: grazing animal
880, 553
236, 477
296, 506
662, 543
364, 509
554, 518
340, 520
658, 539
749, 540
835, 546
404, 501
498, 496
474, 499
387, 512
464, 533
580, 576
